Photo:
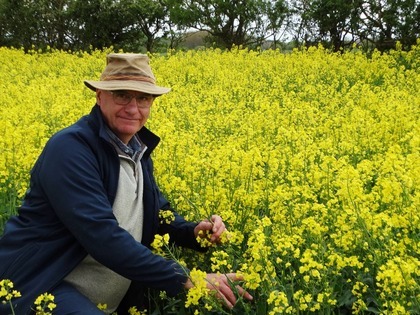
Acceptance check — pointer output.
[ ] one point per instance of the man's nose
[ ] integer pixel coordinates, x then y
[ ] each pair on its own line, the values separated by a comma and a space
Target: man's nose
132, 105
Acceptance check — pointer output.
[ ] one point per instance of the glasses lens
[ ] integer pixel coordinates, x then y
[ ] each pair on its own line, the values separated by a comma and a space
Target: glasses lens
144, 101
122, 98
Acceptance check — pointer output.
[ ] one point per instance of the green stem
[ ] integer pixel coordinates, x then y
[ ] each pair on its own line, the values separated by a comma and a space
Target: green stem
11, 307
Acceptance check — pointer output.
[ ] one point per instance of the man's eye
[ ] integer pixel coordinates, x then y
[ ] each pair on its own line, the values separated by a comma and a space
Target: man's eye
124, 96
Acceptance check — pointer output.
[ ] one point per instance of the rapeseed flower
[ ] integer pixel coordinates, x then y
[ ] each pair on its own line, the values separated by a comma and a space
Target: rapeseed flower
7, 292
312, 159
200, 290
44, 304
160, 244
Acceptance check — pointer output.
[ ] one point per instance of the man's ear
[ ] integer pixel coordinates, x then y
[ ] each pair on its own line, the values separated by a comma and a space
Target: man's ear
98, 97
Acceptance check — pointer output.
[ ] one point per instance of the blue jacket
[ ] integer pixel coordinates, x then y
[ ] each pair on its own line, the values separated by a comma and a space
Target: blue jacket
67, 213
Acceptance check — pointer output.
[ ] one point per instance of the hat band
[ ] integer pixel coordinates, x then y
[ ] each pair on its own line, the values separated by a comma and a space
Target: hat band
128, 78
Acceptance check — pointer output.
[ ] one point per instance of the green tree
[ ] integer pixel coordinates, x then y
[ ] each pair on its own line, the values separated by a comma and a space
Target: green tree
385, 22
330, 22
148, 17
278, 16
334, 20
97, 23
302, 28
67, 24
34, 23
373, 23
139, 25
18, 25
241, 22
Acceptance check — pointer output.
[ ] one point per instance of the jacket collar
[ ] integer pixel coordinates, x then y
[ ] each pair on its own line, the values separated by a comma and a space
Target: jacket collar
150, 139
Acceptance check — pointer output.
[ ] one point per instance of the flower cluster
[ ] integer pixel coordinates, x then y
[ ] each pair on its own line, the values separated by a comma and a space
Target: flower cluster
199, 290
279, 302
134, 311
160, 244
131, 311
203, 238
7, 292
44, 304
166, 216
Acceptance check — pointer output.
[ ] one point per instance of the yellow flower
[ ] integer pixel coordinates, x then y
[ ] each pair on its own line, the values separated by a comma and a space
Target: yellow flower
220, 261
44, 304
6, 291
203, 238
312, 159
133, 311
199, 290
102, 307
166, 216
160, 243
278, 302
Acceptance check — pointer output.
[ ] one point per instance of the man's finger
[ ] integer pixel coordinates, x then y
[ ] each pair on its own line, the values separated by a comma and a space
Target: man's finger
242, 292
234, 277
226, 293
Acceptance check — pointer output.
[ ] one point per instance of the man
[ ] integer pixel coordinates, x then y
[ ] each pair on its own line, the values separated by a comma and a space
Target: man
84, 230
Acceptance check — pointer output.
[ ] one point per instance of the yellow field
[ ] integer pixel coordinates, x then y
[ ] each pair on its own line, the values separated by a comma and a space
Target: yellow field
311, 158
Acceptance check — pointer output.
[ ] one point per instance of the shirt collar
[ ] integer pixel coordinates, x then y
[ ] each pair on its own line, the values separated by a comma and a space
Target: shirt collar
133, 147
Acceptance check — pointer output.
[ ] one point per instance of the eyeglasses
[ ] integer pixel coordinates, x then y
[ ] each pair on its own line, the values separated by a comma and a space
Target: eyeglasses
124, 98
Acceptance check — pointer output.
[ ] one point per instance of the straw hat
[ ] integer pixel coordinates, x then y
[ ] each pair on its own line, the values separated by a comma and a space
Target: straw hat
127, 72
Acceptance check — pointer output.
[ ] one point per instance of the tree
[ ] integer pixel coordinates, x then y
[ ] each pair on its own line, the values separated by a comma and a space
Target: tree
301, 27
278, 16
333, 20
97, 23
138, 25
149, 17
18, 25
242, 22
51, 23
326, 21
385, 22
373, 23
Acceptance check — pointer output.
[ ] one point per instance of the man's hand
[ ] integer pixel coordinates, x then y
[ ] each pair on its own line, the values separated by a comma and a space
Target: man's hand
216, 227
221, 285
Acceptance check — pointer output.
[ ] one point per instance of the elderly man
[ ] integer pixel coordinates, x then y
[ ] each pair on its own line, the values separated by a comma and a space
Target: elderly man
84, 230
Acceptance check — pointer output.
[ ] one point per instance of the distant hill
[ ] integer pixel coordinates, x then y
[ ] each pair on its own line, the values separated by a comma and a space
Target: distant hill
194, 40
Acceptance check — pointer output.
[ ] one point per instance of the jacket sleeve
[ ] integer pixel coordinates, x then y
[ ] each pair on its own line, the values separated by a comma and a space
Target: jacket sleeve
72, 181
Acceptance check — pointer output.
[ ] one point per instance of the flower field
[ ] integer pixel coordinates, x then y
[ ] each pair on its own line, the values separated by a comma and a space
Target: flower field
311, 158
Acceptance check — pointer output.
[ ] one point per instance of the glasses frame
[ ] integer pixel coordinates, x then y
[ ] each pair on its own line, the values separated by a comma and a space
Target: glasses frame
143, 101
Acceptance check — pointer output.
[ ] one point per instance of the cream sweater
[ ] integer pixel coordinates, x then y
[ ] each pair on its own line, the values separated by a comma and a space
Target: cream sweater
98, 283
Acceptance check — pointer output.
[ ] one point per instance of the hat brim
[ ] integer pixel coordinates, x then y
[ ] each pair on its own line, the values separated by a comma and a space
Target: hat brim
129, 85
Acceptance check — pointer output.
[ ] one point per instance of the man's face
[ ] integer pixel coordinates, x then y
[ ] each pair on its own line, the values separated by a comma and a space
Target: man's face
125, 112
